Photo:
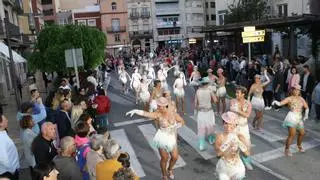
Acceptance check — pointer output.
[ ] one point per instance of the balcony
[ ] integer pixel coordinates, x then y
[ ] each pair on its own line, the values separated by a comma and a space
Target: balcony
116, 29
162, 1
145, 15
170, 37
25, 40
9, 2
162, 24
134, 15
141, 34
13, 29
168, 11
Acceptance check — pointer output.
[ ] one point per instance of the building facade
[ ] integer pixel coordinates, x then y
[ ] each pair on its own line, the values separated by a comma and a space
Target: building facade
210, 10
140, 24
89, 16
76, 4
50, 10
176, 22
37, 15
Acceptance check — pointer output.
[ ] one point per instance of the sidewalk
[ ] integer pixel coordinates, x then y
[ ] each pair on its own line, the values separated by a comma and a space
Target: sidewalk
10, 111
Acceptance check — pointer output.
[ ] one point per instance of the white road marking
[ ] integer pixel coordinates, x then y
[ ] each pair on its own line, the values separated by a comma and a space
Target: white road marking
121, 137
124, 123
268, 170
279, 152
268, 136
191, 138
148, 131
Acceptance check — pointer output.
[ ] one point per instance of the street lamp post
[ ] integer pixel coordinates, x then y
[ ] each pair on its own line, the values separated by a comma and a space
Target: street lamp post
12, 65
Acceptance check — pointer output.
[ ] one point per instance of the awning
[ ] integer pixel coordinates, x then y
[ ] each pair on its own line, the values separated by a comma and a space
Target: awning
17, 58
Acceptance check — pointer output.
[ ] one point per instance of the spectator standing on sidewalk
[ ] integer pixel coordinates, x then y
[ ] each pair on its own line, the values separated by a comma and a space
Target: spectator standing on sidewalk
278, 84
9, 159
316, 101
63, 119
307, 83
43, 147
103, 107
65, 162
268, 91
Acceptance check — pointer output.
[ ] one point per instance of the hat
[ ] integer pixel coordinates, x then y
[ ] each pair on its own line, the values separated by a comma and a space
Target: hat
220, 70
297, 86
32, 87
209, 70
162, 101
204, 80
229, 117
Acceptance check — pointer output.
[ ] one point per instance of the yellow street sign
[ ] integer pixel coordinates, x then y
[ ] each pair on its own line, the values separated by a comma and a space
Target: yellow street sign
253, 33
249, 28
253, 39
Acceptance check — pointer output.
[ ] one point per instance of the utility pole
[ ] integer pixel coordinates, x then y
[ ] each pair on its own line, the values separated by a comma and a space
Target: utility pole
12, 64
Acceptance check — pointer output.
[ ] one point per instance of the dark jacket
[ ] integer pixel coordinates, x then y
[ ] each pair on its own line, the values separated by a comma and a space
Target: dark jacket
310, 83
62, 119
68, 168
43, 150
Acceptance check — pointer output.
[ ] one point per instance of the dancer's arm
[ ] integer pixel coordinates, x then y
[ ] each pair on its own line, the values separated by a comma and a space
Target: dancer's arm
242, 113
306, 111
174, 84
150, 115
179, 119
250, 92
282, 103
218, 144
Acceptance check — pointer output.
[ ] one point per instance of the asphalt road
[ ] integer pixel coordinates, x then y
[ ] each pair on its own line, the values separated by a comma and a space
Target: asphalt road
134, 134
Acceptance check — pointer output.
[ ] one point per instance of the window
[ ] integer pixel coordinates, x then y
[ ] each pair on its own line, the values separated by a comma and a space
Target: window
117, 37
135, 27
206, 4
146, 27
82, 22
283, 10
92, 22
114, 6
115, 23
213, 4
207, 17
213, 17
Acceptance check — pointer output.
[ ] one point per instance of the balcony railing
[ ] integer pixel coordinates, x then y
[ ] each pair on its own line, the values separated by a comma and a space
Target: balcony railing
140, 34
116, 29
161, 24
134, 15
145, 14
25, 39
13, 29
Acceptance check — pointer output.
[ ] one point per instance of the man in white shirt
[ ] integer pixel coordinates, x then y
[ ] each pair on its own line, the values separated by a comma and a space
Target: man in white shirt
9, 159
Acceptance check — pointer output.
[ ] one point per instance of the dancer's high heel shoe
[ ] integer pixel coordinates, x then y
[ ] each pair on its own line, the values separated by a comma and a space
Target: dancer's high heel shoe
288, 153
170, 174
301, 150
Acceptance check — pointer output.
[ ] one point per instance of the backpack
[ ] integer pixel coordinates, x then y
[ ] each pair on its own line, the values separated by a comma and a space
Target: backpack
82, 161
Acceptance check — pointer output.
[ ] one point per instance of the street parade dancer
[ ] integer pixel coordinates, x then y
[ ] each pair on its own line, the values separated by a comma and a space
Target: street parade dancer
172, 105
205, 115
257, 100
144, 93
227, 147
194, 78
178, 90
162, 75
212, 81
243, 109
151, 73
165, 138
123, 77
294, 119
135, 83
157, 92
221, 91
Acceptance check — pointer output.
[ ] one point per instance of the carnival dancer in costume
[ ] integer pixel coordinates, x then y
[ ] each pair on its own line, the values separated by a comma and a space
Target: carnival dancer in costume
221, 91
151, 73
176, 71
257, 100
135, 83
212, 81
144, 93
162, 76
178, 90
123, 78
227, 146
294, 119
205, 115
243, 109
165, 139
194, 78
172, 105
157, 92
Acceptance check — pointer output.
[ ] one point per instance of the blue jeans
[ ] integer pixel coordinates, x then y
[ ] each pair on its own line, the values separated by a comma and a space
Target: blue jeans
102, 120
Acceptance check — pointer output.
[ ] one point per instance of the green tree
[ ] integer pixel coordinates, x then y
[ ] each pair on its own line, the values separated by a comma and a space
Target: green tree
246, 10
53, 40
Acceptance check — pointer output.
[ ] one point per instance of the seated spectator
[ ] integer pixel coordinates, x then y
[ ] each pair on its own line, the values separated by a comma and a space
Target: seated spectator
83, 147
87, 119
103, 107
46, 172
95, 155
42, 146
27, 137
65, 162
9, 159
124, 174
107, 168
62, 119
27, 109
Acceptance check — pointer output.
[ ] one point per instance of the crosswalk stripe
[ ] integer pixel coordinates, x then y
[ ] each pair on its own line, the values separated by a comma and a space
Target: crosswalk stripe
279, 152
191, 138
124, 123
266, 135
148, 131
121, 137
